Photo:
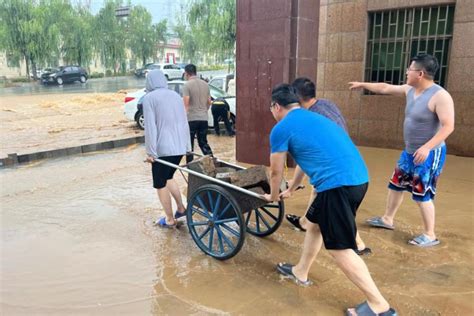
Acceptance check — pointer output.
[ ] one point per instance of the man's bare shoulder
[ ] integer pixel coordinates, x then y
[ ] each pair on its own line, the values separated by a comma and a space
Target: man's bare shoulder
442, 96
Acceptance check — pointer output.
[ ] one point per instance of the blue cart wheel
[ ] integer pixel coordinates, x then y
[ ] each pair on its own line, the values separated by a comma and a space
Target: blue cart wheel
215, 222
265, 220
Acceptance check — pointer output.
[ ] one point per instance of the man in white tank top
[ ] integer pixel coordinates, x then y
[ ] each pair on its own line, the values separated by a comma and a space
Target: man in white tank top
429, 120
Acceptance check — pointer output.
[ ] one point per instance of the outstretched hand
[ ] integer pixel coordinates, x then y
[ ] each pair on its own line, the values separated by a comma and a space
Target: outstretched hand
355, 85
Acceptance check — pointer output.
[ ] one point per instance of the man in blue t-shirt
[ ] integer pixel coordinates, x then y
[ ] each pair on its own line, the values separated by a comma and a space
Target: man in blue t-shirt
337, 171
306, 91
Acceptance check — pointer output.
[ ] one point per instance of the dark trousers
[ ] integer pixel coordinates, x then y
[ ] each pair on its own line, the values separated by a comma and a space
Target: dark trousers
221, 111
199, 129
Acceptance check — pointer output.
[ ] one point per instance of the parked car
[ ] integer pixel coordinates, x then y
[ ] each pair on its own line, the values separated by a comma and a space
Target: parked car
38, 74
224, 82
64, 74
171, 71
133, 108
142, 71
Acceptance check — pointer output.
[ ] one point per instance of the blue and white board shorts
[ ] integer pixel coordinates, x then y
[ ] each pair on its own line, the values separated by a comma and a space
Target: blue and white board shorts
420, 179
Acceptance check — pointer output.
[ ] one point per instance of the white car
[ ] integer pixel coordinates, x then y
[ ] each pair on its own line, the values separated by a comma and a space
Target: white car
133, 103
224, 82
171, 71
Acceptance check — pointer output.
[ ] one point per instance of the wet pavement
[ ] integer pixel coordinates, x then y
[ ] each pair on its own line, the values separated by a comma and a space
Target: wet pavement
98, 85
77, 239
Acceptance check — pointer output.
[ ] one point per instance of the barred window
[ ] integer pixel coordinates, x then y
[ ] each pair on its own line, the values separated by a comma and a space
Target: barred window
397, 35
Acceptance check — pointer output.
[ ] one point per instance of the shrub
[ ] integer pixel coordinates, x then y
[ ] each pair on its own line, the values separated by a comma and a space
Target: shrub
96, 75
211, 67
20, 79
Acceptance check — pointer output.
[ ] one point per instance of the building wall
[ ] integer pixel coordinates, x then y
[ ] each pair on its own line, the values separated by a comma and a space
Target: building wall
376, 120
9, 72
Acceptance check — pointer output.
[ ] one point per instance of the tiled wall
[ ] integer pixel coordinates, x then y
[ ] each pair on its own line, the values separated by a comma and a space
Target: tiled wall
378, 120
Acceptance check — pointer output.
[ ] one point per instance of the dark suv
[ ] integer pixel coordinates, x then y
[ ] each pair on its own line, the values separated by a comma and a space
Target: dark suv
64, 74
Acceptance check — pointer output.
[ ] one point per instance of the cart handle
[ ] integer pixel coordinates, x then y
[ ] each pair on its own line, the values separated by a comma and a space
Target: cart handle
231, 186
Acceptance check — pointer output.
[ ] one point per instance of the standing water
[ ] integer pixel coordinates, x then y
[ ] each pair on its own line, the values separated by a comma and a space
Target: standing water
77, 239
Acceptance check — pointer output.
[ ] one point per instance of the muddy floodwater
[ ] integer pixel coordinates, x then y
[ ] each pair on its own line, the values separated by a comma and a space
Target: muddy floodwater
77, 239
33, 123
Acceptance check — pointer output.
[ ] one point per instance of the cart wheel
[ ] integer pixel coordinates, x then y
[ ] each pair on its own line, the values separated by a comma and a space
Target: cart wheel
215, 222
265, 220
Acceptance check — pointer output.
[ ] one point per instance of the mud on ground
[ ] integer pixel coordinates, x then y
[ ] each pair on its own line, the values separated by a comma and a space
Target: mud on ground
35, 123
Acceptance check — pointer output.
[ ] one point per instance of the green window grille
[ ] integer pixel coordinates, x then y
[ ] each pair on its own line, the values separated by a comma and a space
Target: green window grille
397, 35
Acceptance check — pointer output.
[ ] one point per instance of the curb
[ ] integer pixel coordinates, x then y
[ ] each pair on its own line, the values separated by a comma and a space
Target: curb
14, 159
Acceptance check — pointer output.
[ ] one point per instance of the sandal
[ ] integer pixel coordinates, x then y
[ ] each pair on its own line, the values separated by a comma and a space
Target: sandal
162, 223
423, 241
179, 214
295, 221
364, 309
379, 223
365, 251
286, 270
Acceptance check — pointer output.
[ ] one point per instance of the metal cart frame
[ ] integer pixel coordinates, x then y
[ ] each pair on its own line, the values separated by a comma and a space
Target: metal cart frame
219, 213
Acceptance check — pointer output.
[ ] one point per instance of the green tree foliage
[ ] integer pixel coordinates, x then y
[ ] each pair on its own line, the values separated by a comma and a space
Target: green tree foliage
44, 32
189, 47
14, 17
111, 35
144, 36
213, 26
78, 37
50, 32
160, 31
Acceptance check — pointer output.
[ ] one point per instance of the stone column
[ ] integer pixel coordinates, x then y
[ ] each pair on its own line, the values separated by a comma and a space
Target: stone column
277, 41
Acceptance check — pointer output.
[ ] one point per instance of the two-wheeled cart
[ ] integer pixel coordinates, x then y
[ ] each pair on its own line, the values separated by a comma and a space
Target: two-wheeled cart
219, 213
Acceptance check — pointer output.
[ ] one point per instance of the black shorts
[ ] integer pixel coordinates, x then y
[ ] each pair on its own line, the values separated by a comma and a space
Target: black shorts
334, 211
162, 173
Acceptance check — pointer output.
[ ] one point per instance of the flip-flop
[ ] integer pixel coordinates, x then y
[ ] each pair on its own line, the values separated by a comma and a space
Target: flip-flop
423, 241
179, 214
362, 252
364, 309
286, 270
379, 223
161, 222
295, 221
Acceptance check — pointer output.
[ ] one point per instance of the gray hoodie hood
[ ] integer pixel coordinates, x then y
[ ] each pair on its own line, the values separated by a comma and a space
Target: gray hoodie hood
155, 79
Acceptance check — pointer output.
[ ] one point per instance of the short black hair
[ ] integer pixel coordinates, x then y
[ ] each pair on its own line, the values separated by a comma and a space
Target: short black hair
284, 94
428, 63
305, 88
190, 69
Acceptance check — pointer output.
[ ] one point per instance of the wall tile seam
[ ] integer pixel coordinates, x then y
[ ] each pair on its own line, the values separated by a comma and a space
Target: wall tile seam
303, 19
462, 22
345, 62
325, 42
364, 119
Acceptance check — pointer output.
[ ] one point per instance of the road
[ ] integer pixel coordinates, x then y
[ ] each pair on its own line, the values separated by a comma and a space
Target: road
99, 85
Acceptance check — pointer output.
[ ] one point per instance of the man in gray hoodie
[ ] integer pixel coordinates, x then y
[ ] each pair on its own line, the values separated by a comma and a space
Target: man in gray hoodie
166, 138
